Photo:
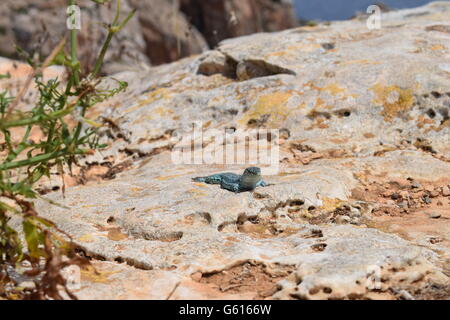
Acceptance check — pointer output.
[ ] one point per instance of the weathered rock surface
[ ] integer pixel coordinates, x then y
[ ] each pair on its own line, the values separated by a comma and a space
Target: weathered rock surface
364, 145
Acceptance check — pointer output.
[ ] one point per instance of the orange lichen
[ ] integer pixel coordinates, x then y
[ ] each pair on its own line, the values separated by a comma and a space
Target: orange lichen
91, 274
196, 193
162, 178
368, 135
334, 89
339, 140
330, 204
116, 234
437, 47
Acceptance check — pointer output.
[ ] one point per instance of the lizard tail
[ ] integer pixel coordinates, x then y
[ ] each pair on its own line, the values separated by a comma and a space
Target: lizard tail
199, 179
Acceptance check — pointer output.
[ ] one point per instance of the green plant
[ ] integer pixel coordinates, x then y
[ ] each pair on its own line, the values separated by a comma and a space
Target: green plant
46, 249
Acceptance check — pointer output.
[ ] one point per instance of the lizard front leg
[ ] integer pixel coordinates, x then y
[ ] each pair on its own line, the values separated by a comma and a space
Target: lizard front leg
261, 183
230, 186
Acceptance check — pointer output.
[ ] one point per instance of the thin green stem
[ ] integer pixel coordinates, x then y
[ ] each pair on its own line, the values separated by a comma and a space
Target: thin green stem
8, 141
114, 28
37, 159
22, 146
124, 22
37, 119
101, 57
116, 18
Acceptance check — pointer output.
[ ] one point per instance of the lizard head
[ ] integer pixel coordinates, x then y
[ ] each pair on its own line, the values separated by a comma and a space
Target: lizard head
254, 171
250, 178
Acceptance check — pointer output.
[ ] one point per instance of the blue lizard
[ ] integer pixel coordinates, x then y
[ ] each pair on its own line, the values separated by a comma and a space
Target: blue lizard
236, 182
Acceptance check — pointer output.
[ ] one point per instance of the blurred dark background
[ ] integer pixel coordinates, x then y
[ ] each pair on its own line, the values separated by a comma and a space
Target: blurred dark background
162, 30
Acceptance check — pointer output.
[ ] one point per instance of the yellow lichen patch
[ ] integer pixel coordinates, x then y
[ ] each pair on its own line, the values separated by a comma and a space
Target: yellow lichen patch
116, 234
197, 193
331, 204
153, 208
158, 94
334, 89
274, 105
393, 98
91, 274
86, 238
163, 178
198, 184
362, 175
207, 124
437, 47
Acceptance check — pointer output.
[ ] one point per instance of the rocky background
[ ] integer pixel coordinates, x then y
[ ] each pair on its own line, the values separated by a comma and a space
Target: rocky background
164, 30
363, 190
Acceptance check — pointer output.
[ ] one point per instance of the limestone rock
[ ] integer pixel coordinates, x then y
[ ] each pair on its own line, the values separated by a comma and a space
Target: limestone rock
362, 116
